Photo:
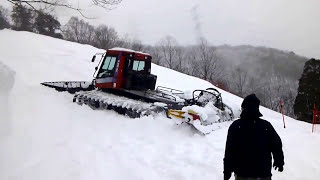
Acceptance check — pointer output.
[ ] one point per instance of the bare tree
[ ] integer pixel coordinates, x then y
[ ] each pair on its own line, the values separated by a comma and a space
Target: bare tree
288, 97
193, 65
79, 31
208, 61
279, 89
35, 4
180, 58
240, 80
155, 52
124, 42
136, 45
169, 48
129, 43
105, 37
188, 59
255, 84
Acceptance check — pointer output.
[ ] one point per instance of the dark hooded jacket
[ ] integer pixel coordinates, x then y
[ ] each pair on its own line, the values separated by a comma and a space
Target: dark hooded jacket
250, 143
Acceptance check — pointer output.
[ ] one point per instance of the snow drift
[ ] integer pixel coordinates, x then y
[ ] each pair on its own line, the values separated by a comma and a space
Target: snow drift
53, 138
6, 84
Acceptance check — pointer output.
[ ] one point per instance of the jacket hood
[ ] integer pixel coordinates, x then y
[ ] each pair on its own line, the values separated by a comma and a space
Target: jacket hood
250, 107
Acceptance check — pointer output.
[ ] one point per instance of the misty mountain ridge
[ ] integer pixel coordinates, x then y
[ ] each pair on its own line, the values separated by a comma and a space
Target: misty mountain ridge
260, 61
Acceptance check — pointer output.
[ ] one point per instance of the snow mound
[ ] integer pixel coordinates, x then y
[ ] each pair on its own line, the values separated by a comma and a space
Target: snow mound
6, 78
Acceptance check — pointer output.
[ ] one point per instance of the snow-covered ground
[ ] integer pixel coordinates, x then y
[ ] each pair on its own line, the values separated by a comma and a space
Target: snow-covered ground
6, 83
49, 137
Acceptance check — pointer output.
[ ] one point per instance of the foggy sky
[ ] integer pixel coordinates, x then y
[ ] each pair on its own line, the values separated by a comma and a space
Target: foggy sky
292, 25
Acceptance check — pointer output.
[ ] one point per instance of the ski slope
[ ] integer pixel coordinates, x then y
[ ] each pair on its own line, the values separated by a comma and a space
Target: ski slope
46, 136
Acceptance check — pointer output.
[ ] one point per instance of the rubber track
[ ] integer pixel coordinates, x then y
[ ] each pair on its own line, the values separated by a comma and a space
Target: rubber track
122, 105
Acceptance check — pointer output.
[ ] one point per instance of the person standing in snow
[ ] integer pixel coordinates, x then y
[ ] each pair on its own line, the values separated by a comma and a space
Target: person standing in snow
250, 143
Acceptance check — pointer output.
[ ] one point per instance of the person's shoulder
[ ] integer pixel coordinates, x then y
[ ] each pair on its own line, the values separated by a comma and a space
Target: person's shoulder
266, 123
236, 123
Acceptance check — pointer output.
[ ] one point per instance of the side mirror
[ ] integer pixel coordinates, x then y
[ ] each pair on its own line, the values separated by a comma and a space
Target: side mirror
96, 68
93, 58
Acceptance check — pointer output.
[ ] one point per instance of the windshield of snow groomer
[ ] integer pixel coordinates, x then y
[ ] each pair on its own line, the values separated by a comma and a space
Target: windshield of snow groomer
108, 66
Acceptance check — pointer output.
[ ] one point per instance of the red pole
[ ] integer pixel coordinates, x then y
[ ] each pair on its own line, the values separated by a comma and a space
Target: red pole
314, 117
281, 108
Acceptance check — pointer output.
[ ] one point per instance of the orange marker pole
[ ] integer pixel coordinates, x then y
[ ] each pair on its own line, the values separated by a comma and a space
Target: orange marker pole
281, 109
314, 117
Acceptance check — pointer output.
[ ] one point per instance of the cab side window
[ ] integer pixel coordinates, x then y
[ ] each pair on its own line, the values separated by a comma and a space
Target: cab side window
138, 65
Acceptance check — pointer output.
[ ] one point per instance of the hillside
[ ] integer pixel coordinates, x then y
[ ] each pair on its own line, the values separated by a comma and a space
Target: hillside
49, 137
262, 61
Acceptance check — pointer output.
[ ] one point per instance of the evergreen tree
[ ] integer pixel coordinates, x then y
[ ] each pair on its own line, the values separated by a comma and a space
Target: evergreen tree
308, 91
46, 24
22, 18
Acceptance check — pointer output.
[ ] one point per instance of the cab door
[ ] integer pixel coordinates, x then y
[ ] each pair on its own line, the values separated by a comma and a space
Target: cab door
107, 75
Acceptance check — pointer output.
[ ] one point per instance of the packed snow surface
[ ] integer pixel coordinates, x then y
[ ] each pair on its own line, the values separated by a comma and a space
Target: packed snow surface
49, 137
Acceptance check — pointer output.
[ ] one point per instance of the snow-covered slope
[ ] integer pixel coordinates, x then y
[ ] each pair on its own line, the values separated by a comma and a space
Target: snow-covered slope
49, 137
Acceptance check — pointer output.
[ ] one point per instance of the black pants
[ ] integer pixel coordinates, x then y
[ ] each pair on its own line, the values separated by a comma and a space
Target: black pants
245, 178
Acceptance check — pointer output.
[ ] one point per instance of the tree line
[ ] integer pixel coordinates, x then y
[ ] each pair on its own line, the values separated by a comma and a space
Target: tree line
201, 60
22, 18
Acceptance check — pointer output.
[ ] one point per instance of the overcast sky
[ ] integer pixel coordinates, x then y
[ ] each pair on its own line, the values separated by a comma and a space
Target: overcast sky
292, 25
